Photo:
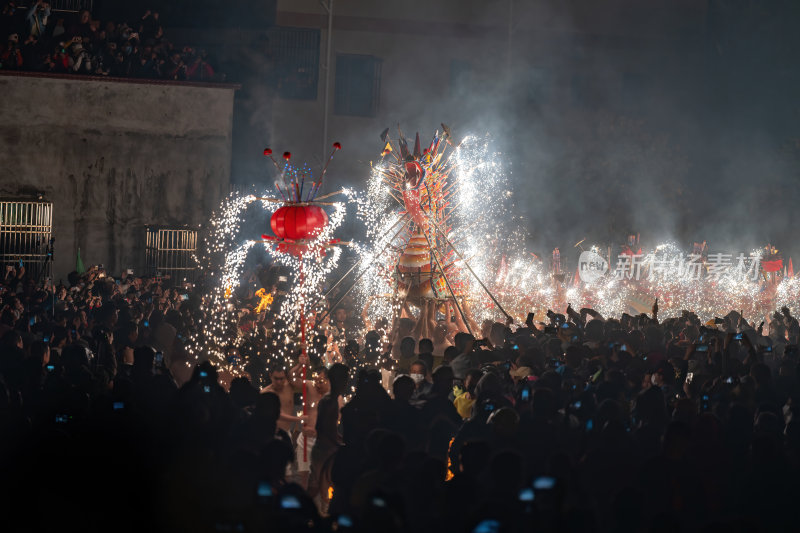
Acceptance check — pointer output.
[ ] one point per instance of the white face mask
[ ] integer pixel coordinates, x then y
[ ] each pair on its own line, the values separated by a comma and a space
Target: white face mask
418, 378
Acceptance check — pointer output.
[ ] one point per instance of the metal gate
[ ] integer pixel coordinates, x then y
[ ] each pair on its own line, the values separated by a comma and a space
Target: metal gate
170, 252
26, 236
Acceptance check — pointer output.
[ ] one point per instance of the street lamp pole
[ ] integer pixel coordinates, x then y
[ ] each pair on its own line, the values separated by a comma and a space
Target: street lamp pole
328, 6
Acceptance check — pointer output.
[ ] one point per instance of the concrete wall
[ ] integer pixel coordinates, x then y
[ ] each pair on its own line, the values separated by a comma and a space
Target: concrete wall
114, 156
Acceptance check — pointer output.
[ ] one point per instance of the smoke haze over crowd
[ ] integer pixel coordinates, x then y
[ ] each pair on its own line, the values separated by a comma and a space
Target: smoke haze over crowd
675, 120
671, 120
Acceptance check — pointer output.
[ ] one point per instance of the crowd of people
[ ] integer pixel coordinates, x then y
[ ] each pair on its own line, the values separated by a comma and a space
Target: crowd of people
568, 422
40, 40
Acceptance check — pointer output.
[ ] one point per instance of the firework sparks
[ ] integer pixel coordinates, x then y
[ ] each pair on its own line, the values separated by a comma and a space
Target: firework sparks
445, 203
224, 261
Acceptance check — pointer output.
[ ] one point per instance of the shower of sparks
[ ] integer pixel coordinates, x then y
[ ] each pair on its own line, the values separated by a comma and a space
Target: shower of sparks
491, 240
464, 194
529, 286
225, 254
475, 214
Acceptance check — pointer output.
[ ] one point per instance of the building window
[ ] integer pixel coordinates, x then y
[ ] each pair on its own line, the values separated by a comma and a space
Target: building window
26, 231
171, 251
295, 56
358, 85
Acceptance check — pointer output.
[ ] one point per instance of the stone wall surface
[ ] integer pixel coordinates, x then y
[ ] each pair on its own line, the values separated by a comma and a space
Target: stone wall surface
113, 157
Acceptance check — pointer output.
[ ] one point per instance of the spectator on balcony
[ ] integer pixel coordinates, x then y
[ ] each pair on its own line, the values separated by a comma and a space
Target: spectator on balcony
199, 69
157, 39
82, 28
58, 61
99, 64
111, 30
37, 18
32, 57
85, 46
79, 57
124, 32
149, 24
130, 47
98, 33
107, 53
175, 68
57, 30
11, 54
119, 67
148, 65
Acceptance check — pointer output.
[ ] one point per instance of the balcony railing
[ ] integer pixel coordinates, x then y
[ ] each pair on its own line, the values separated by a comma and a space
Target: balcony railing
64, 6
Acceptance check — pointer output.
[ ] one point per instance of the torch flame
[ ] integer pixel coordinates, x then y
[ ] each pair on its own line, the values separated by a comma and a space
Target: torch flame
266, 300
449, 473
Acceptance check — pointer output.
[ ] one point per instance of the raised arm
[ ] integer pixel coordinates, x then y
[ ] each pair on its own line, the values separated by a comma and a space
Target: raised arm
452, 327
576, 318
419, 328
592, 313
431, 318
460, 325
468, 313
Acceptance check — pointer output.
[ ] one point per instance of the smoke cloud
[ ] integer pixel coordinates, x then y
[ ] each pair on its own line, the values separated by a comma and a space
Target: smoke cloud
674, 120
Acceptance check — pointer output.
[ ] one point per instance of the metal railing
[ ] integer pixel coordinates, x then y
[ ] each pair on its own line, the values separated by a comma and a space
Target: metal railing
169, 251
64, 6
295, 55
26, 230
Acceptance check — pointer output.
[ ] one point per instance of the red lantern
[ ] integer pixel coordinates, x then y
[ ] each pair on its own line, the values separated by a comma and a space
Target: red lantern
298, 222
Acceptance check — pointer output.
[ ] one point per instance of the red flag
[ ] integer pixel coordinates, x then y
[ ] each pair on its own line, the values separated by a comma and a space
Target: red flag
772, 266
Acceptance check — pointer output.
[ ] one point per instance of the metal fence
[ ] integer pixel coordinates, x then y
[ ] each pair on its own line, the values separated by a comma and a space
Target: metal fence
26, 230
295, 55
170, 252
67, 6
